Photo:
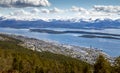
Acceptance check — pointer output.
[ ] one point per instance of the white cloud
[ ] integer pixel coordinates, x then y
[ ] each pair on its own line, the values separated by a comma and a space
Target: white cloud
19, 13
79, 9
98, 11
24, 3
22, 15
97, 15
108, 9
76, 9
45, 11
35, 10
54, 10
75, 12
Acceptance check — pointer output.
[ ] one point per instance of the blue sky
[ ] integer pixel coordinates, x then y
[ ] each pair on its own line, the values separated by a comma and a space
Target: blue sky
60, 9
82, 3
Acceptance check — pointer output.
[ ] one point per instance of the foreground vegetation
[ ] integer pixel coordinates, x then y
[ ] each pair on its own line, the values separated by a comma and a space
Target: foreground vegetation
17, 59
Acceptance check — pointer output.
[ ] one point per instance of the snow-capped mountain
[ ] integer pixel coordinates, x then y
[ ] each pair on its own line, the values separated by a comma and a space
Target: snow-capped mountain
60, 23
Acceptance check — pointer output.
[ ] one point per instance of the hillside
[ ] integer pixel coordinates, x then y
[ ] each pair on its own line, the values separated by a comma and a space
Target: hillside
17, 59
85, 54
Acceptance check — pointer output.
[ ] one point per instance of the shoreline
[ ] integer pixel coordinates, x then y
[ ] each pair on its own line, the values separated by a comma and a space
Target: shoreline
85, 54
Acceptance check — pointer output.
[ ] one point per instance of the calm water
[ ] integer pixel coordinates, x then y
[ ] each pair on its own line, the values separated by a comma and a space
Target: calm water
110, 46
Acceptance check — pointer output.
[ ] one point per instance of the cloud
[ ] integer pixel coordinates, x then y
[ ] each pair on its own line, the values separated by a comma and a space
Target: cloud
45, 11
24, 3
54, 10
79, 9
97, 12
35, 10
20, 13
107, 9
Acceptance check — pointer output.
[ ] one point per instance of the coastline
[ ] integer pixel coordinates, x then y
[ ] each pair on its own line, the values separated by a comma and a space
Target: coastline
85, 54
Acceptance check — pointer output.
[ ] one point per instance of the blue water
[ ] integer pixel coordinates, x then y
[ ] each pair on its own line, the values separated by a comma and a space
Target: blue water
110, 46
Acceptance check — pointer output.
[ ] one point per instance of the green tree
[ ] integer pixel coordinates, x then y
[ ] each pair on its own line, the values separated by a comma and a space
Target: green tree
39, 70
102, 65
15, 64
117, 65
87, 69
21, 66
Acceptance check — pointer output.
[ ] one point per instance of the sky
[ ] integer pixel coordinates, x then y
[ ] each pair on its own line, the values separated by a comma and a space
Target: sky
82, 3
60, 9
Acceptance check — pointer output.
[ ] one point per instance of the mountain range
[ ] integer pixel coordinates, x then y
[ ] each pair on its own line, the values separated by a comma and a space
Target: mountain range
61, 23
